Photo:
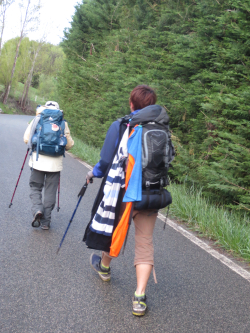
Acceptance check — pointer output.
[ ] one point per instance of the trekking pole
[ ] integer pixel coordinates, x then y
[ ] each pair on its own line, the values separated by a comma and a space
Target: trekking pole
19, 178
58, 207
80, 195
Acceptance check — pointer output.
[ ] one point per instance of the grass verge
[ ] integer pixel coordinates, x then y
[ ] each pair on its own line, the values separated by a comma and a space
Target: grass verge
7, 109
85, 152
13, 106
230, 230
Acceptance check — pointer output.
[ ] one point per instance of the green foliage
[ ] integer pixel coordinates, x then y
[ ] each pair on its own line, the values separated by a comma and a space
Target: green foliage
47, 87
7, 109
49, 61
6, 62
196, 56
46, 67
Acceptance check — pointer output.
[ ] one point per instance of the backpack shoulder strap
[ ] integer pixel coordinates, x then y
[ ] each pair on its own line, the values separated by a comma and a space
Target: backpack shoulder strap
124, 119
63, 125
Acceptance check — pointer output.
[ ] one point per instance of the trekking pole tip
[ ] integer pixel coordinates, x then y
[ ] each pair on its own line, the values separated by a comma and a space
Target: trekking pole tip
58, 208
10, 204
58, 250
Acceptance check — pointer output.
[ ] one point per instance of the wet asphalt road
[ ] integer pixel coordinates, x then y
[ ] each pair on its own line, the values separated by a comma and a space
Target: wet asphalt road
44, 292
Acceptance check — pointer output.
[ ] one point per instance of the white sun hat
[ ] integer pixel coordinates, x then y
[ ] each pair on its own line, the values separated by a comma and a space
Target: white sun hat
52, 105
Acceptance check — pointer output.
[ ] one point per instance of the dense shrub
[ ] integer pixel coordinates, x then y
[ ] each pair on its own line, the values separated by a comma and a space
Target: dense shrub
196, 56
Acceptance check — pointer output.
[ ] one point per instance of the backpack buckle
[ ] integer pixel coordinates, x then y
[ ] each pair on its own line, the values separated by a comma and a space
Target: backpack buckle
162, 183
147, 184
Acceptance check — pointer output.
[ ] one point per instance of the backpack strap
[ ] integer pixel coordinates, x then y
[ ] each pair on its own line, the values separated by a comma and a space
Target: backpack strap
124, 119
38, 138
63, 125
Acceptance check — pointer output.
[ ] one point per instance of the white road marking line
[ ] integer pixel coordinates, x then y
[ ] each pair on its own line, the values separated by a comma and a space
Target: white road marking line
226, 261
223, 259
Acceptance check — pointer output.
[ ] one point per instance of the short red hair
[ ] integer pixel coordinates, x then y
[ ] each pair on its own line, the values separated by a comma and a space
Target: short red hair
142, 96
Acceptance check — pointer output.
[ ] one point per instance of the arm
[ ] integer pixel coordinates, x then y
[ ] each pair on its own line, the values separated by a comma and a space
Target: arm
107, 151
27, 133
70, 141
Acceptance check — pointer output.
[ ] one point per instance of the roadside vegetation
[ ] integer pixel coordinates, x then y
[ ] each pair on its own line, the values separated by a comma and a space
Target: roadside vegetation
7, 109
229, 229
35, 77
85, 152
195, 54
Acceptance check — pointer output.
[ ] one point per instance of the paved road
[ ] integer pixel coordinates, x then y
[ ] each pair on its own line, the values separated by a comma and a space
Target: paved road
44, 292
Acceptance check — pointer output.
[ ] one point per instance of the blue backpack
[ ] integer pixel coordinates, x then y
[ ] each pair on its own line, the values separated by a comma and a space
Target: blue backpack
49, 138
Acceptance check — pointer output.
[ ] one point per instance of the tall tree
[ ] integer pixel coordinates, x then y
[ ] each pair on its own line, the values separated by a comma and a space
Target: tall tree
36, 48
4, 5
28, 16
6, 62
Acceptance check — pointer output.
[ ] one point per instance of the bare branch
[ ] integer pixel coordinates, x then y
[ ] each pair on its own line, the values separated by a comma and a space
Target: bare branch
245, 189
4, 5
29, 17
241, 205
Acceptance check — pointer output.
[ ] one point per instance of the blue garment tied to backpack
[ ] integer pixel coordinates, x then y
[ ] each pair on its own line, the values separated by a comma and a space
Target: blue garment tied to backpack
134, 190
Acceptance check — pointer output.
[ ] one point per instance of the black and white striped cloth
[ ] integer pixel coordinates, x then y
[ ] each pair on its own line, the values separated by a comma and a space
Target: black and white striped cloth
103, 221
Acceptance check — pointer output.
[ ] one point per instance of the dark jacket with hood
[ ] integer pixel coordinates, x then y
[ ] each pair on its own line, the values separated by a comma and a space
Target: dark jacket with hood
151, 113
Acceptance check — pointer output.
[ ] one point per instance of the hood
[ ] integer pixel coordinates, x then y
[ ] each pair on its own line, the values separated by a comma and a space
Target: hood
151, 113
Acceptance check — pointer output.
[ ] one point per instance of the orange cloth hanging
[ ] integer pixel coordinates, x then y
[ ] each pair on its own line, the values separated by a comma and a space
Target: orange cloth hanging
120, 232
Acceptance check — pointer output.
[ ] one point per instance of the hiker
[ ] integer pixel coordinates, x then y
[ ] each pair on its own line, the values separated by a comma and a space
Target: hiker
112, 211
46, 166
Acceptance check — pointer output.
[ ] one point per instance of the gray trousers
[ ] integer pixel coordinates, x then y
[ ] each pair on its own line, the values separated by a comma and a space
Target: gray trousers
48, 180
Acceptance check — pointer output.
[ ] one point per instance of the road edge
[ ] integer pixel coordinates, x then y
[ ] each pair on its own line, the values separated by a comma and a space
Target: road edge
221, 257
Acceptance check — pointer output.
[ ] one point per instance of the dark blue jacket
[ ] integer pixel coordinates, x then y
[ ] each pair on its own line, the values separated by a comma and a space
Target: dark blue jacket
108, 148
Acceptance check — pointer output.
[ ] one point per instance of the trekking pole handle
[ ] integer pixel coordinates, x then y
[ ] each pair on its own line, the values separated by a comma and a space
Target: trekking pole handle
83, 189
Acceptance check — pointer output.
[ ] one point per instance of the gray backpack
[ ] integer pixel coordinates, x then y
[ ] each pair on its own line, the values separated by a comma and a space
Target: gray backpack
157, 154
157, 148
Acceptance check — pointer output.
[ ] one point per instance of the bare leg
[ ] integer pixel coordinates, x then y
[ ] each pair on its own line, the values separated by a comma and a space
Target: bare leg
106, 260
144, 251
143, 272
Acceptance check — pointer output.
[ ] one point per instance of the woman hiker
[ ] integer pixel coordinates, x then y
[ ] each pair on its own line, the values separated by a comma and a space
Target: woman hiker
112, 211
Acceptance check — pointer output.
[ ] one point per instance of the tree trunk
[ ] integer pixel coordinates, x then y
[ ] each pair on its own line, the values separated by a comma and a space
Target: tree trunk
7, 89
6, 93
24, 90
25, 93
4, 8
1, 38
28, 81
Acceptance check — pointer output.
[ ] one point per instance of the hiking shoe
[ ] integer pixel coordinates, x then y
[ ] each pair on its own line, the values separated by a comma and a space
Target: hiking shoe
139, 305
45, 227
95, 263
36, 221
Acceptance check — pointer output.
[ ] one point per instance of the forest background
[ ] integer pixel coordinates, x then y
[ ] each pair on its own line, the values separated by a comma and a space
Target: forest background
194, 53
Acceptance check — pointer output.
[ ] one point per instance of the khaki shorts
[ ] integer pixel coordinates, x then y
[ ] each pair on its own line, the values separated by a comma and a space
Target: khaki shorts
144, 226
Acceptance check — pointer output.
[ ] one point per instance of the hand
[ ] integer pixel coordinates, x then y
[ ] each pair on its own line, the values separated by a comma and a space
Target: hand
89, 177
